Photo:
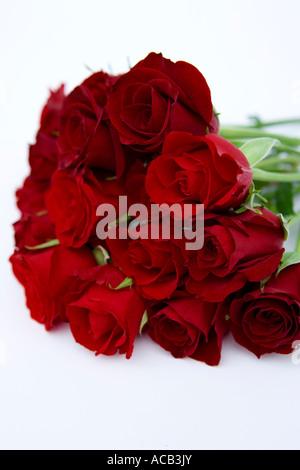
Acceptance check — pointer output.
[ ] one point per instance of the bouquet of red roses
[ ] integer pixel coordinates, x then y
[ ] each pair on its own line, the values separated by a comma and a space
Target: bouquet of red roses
142, 216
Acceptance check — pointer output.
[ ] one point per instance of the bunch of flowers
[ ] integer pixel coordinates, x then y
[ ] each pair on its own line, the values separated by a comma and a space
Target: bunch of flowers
108, 152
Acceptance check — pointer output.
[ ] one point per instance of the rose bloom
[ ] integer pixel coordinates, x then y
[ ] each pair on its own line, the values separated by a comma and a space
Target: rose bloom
156, 97
72, 203
46, 276
31, 197
103, 318
156, 266
43, 155
85, 133
206, 170
268, 321
188, 327
237, 248
33, 230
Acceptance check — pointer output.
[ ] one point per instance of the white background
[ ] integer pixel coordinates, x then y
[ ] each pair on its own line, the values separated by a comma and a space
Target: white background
54, 394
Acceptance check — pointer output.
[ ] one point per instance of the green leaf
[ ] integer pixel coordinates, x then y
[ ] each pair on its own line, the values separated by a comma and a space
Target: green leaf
250, 204
285, 198
145, 320
101, 255
128, 282
288, 259
44, 246
257, 150
285, 226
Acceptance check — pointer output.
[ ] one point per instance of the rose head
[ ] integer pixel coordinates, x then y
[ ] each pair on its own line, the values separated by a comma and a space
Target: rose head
46, 276
72, 202
208, 170
237, 249
188, 327
43, 155
156, 97
269, 321
155, 265
85, 134
103, 319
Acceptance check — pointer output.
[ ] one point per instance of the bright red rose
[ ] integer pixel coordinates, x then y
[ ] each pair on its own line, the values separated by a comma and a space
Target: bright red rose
188, 327
33, 230
72, 202
156, 266
268, 321
104, 319
237, 249
31, 197
85, 134
45, 276
206, 170
156, 97
43, 154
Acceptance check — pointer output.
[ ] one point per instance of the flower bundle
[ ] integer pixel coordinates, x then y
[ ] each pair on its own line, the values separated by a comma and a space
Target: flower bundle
92, 252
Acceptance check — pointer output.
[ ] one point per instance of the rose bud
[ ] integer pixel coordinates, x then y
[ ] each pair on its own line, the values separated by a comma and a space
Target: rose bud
46, 276
206, 170
237, 249
156, 97
104, 318
268, 321
188, 327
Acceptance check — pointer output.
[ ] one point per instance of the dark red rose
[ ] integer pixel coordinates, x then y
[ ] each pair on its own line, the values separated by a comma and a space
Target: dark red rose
85, 134
207, 170
31, 197
33, 230
155, 265
43, 154
45, 276
103, 319
237, 249
51, 114
156, 97
188, 327
268, 321
72, 202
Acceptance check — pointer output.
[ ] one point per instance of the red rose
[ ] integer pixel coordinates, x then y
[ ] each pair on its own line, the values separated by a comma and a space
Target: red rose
269, 321
31, 197
207, 170
155, 265
85, 134
51, 114
237, 249
46, 276
72, 202
33, 230
188, 327
103, 319
44, 153
156, 97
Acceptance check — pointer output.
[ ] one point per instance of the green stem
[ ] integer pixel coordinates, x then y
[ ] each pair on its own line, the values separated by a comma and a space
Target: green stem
260, 124
273, 161
272, 177
240, 132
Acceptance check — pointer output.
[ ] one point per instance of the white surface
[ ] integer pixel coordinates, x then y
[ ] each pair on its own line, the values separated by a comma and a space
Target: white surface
55, 394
